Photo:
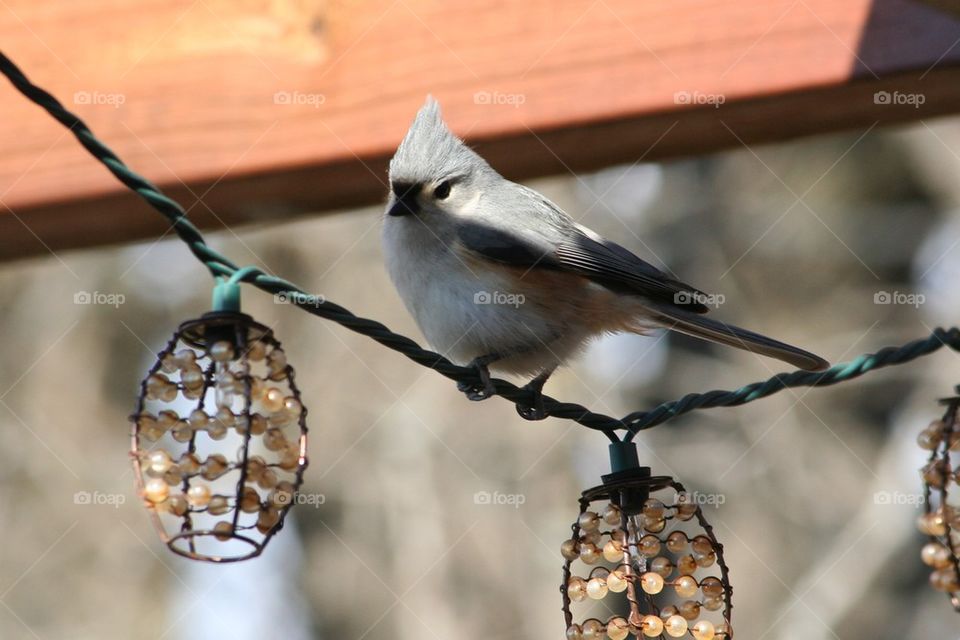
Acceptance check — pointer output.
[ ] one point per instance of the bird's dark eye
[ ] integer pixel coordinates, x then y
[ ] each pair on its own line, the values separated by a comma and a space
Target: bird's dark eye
442, 190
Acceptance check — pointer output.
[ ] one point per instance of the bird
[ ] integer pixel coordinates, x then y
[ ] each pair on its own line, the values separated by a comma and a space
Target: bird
498, 277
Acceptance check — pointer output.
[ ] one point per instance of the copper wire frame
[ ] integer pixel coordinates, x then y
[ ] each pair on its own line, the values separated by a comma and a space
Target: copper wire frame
941, 454
242, 330
611, 491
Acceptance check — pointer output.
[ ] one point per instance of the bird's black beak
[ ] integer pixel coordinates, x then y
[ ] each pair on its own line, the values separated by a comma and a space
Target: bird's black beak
406, 199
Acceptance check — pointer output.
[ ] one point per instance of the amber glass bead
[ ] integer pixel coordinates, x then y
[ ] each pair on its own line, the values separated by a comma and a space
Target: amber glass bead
690, 609
945, 580
158, 462
711, 586
686, 510
677, 542
258, 424
272, 400
189, 464
705, 559
589, 553
935, 555
176, 504
250, 500
617, 581
214, 466
290, 457
221, 351
685, 586
703, 630
267, 479
651, 583
686, 565
617, 628
662, 565
597, 588
936, 474
928, 440
182, 431
612, 515
653, 509
199, 496
613, 551
219, 505
267, 520
156, 490
675, 626
274, 440
577, 589
649, 546
654, 525
223, 530
593, 630
589, 521
701, 544
652, 626
933, 524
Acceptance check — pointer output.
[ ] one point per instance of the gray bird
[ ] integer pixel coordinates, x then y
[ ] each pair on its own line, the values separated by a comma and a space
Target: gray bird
497, 276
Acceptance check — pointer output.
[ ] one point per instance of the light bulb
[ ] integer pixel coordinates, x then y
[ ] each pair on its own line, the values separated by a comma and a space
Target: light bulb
634, 534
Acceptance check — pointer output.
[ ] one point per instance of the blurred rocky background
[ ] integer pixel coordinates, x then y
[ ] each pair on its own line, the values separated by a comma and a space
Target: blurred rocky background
819, 488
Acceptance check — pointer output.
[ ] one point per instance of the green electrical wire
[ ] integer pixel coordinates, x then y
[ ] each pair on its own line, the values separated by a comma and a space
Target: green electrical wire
229, 275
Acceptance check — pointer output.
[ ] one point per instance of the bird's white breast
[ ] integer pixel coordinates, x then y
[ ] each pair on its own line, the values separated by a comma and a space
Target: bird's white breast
463, 306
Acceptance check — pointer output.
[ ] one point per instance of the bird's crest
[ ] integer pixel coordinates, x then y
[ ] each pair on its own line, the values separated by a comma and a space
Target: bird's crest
430, 151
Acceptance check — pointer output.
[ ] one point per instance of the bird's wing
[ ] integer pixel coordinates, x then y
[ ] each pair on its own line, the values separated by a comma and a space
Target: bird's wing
600, 260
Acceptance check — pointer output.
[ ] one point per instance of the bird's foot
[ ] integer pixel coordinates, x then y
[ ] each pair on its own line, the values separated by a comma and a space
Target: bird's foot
485, 389
536, 411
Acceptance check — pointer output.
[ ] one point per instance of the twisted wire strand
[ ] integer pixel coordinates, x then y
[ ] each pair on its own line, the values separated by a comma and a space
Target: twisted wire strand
633, 423
888, 356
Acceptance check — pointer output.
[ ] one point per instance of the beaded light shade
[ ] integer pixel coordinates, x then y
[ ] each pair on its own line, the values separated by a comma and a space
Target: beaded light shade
642, 545
941, 518
219, 438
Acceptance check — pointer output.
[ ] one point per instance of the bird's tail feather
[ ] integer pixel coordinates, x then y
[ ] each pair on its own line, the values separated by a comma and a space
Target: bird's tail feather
704, 328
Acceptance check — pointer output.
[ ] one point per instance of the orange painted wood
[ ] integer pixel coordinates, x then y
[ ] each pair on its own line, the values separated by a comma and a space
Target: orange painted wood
257, 110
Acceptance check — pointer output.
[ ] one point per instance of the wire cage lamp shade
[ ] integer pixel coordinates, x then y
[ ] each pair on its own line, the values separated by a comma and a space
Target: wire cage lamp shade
219, 442
641, 542
941, 518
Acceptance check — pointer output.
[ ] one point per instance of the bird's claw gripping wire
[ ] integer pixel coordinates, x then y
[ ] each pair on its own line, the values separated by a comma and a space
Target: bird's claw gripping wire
536, 410
485, 388
533, 412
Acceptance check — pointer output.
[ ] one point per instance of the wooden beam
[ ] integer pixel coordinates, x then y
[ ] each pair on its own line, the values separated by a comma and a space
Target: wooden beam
260, 110
950, 6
